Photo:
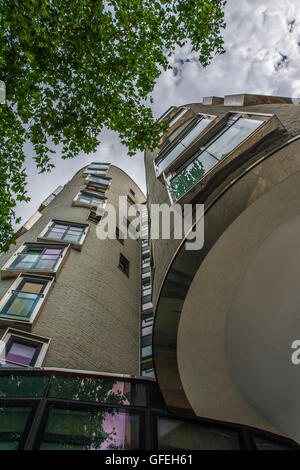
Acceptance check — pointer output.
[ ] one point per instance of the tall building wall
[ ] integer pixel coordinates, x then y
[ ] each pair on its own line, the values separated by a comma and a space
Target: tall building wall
92, 313
198, 363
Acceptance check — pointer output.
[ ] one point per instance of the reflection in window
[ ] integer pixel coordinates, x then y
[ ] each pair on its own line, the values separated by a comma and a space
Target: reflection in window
12, 424
89, 199
14, 385
73, 233
22, 351
81, 429
23, 300
98, 180
180, 146
98, 390
217, 149
177, 434
37, 258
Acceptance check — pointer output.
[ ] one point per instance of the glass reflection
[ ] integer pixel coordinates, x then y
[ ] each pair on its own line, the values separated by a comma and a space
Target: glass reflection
70, 429
12, 423
221, 146
98, 390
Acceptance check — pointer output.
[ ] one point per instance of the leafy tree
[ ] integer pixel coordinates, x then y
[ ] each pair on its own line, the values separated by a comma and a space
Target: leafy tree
72, 68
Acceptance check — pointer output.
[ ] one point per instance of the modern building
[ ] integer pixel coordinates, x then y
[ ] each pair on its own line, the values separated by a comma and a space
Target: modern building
142, 344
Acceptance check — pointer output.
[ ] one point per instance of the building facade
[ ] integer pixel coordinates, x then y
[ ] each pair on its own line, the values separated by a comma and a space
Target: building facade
143, 344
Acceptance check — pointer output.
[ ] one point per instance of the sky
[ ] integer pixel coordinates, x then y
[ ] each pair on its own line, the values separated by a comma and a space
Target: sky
262, 43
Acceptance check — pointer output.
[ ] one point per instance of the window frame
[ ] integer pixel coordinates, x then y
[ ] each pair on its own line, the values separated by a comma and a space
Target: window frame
39, 355
77, 245
125, 270
92, 205
26, 324
163, 153
6, 271
269, 123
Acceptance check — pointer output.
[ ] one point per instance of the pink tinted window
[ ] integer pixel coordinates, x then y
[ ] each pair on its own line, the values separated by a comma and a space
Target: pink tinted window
50, 251
21, 353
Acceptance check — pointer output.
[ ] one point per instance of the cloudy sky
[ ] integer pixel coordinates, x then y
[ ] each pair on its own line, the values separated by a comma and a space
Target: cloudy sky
262, 42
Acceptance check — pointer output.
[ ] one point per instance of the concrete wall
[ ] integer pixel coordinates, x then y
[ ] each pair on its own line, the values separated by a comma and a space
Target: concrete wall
92, 312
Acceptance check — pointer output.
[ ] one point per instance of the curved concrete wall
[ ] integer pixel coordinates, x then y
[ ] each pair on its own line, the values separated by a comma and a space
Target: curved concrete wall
211, 333
92, 312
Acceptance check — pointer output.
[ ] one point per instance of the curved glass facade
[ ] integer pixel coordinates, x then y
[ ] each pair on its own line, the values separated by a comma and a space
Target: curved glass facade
64, 410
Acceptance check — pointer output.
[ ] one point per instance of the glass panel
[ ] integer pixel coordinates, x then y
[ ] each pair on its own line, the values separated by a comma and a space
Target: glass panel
69, 429
181, 146
146, 351
24, 261
190, 175
98, 390
85, 199
265, 444
32, 287
177, 434
19, 305
218, 150
232, 137
12, 423
23, 385
177, 117
21, 353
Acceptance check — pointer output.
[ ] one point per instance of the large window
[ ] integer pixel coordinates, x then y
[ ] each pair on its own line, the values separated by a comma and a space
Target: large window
33, 257
70, 232
24, 299
13, 422
189, 136
23, 349
88, 199
78, 428
219, 147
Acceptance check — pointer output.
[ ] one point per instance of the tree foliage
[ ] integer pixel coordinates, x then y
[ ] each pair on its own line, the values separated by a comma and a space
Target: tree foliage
72, 68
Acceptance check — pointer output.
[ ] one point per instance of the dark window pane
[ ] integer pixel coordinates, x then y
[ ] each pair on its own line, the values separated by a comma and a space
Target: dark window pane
177, 434
12, 423
69, 429
268, 444
23, 385
98, 390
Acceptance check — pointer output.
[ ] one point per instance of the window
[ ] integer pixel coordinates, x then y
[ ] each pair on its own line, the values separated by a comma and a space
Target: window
74, 427
13, 422
130, 200
124, 264
23, 349
89, 199
32, 257
120, 235
70, 232
24, 299
177, 116
178, 434
218, 148
189, 136
97, 180
93, 217
132, 192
